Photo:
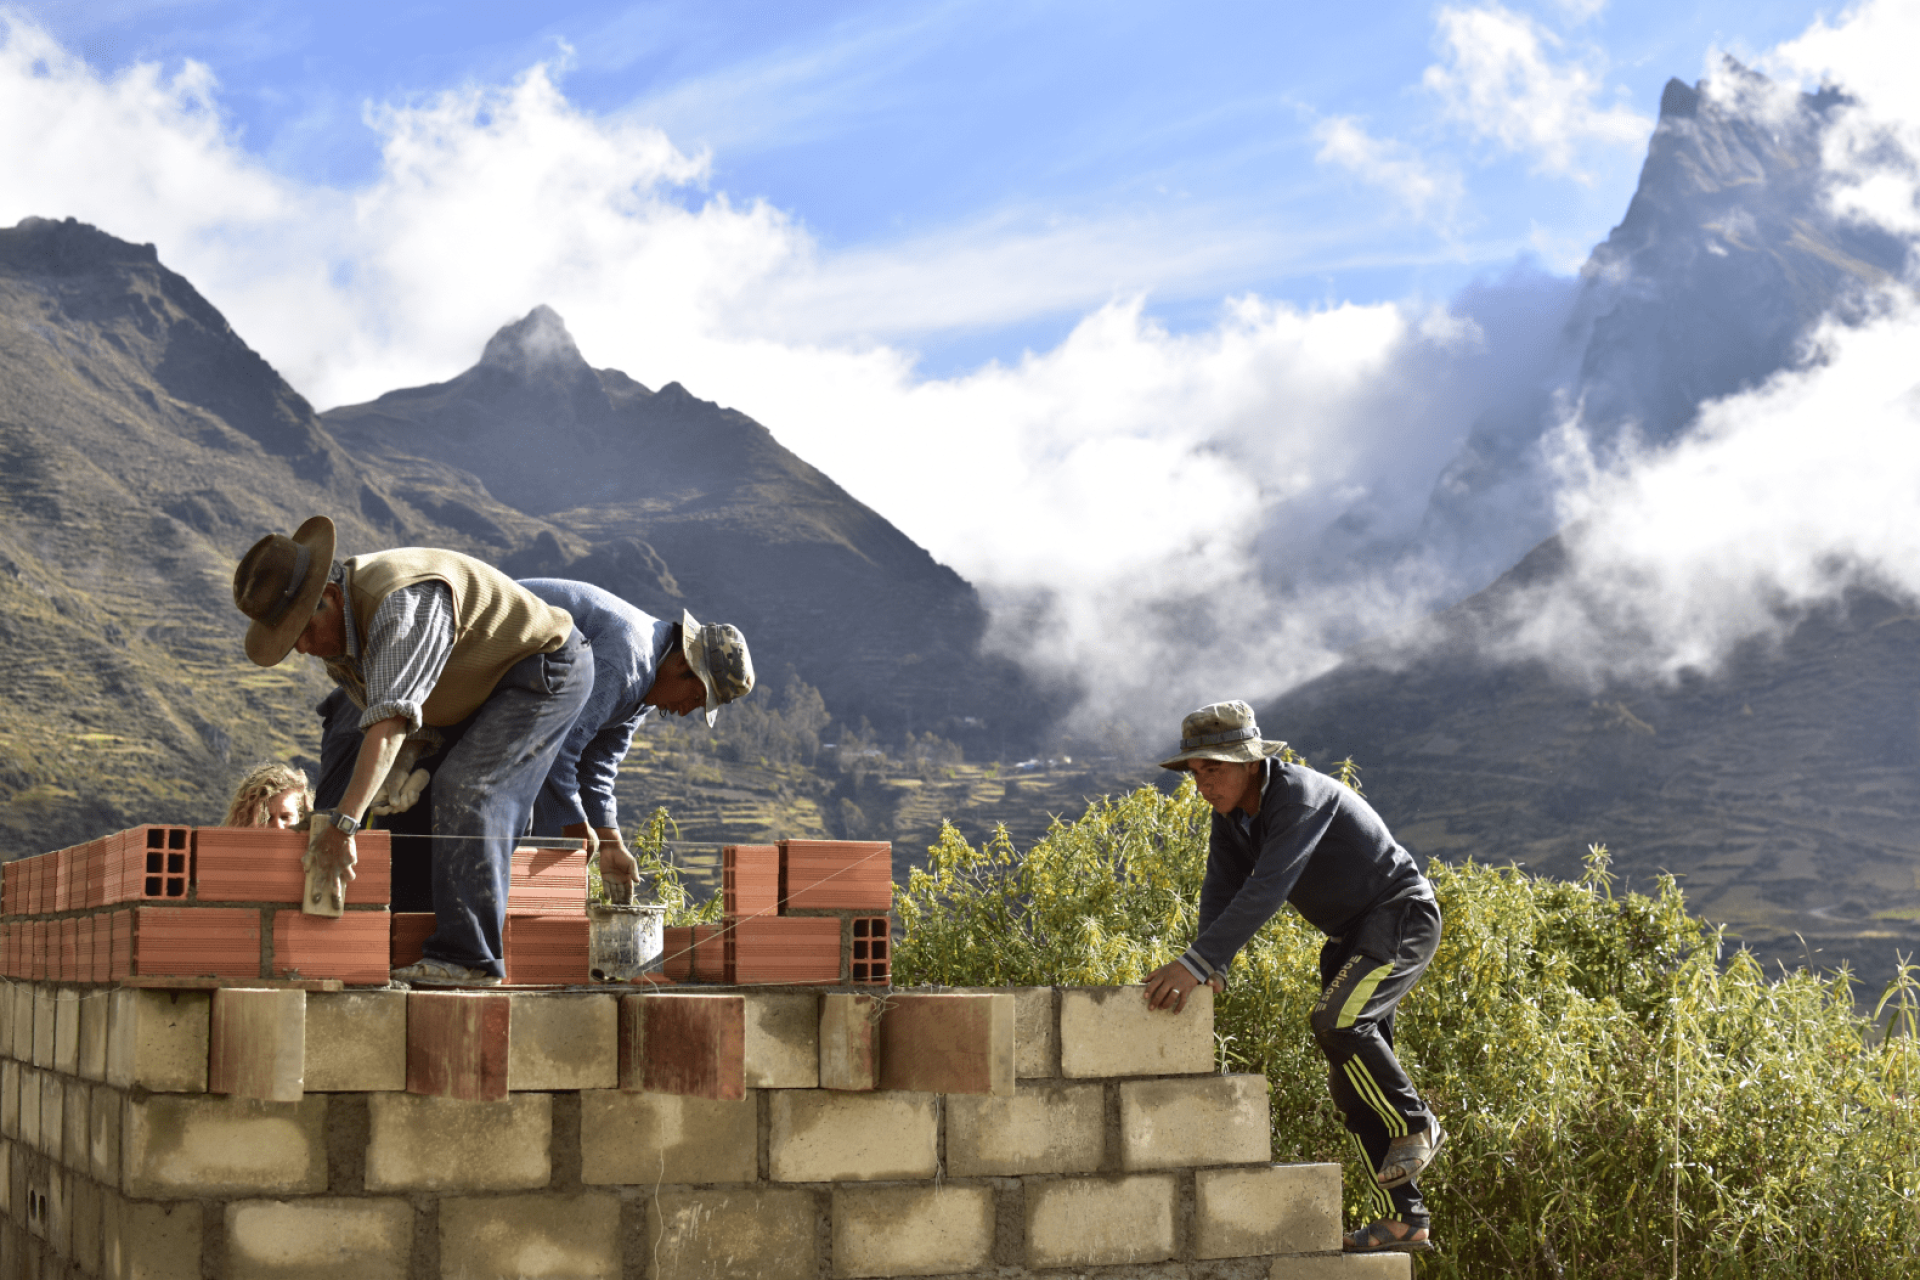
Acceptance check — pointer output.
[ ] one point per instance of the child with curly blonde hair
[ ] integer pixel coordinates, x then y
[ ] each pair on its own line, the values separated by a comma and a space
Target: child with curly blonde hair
271, 795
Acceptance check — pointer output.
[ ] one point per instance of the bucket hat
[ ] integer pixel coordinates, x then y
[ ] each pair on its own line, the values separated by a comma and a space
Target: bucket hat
1222, 731
718, 654
278, 584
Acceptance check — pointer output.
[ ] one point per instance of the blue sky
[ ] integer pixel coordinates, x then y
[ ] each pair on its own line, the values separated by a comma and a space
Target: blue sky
1089, 299
877, 125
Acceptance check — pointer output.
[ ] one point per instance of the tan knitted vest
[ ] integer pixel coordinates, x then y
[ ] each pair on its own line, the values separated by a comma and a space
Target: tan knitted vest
496, 621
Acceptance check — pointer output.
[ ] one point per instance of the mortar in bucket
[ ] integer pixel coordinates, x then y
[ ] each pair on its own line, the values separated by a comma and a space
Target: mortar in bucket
624, 940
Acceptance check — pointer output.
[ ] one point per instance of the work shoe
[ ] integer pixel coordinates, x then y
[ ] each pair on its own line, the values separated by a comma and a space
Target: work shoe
1409, 1154
443, 973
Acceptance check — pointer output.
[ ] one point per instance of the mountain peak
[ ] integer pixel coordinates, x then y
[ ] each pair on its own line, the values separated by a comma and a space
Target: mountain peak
537, 343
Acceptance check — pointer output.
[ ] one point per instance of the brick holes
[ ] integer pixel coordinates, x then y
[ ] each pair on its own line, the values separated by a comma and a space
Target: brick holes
872, 936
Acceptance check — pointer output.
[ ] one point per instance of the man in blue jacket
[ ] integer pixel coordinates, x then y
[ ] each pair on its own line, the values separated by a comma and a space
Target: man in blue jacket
640, 664
1283, 833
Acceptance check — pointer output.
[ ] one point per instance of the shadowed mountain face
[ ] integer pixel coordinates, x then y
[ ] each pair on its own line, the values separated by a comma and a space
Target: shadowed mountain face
676, 503
143, 447
1727, 258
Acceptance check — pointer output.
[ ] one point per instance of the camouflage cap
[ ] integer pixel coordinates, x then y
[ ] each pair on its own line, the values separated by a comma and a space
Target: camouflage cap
718, 654
1222, 731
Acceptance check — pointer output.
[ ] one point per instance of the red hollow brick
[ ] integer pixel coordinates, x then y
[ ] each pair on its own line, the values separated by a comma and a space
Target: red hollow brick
750, 880
691, 1045
43, 945
262, 864
69, 935
798, 949
13, 889
353, 947
151, 863
676, 952
872, 959
62, 860
36, 879
122, 946
457, 1044
411, 929
194, 942
710, 953
547, 949
95, 880
844, 875
547, 882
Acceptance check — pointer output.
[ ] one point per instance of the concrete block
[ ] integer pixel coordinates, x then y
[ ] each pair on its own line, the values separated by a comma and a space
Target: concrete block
53, 1113
356, 1041
1095, 1222
86, 1229
911, 1231
849, 1042
145, 1241
319, 1239
766, 1233
1276, 1208
1167, 1124
10, 1098
95, 1010
43, 1011
550, 1237
76, 1116
158, 1040
694, 1045
564, 1042
211, 1147
947, 1043
1036, 1030
6, 1184
1050, 1127
782, 1049
643, 1139
457, 1044
817, 1136
21, 996
258, 1044
1109, 1031
66, 1031
1374, 1266
106, 1109
30, 1107
59, 1213
445, 1144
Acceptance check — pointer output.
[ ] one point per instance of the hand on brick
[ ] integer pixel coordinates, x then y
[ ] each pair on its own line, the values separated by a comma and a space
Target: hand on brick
1168, 986
400, 790
331, 851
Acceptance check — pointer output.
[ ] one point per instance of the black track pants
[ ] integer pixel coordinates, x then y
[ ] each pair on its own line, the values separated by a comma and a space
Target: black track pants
1363, 976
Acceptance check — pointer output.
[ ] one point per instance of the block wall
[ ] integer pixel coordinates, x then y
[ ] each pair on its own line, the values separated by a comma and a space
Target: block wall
266, 1133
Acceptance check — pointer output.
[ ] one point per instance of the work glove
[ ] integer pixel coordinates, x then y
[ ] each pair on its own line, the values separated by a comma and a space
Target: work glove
402, 786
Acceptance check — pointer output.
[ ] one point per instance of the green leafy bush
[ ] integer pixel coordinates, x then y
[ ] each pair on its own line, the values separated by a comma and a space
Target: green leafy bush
1621, 1101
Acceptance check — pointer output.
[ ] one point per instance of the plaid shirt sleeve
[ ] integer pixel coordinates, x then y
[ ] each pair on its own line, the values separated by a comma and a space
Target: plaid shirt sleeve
409, 639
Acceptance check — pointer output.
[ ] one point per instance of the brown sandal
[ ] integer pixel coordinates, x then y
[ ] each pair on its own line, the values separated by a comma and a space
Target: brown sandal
1378, 1237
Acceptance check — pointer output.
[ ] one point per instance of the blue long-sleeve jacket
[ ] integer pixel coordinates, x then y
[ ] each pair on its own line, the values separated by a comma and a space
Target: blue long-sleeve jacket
1314, 843
628, 646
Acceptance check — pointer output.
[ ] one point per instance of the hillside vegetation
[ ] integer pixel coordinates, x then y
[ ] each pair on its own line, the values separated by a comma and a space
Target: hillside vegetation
1624, 1098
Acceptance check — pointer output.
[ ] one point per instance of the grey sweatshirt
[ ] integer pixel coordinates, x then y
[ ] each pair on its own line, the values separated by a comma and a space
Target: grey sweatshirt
1314, 843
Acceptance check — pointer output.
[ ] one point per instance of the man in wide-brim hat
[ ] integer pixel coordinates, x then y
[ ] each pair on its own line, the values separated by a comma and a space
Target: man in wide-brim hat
422, 640
641, 664
1284, 833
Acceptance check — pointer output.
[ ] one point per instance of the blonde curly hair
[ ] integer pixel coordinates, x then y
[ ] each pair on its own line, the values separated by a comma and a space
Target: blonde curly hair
262, 783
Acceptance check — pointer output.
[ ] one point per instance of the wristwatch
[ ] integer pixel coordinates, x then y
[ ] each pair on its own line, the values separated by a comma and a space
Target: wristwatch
345, 823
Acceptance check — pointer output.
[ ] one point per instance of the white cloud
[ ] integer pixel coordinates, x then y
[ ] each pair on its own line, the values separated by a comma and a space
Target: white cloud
1506, 78
1424, 188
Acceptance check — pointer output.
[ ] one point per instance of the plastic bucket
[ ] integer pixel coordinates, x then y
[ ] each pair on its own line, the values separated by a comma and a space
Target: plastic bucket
624, 941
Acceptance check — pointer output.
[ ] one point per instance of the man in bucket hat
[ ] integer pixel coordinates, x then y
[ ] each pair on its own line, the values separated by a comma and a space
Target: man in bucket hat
1284, 833
421, 639
640, 664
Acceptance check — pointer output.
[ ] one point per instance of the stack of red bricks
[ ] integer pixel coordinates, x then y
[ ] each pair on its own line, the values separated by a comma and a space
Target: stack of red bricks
547, 930
799, 912
189, 902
